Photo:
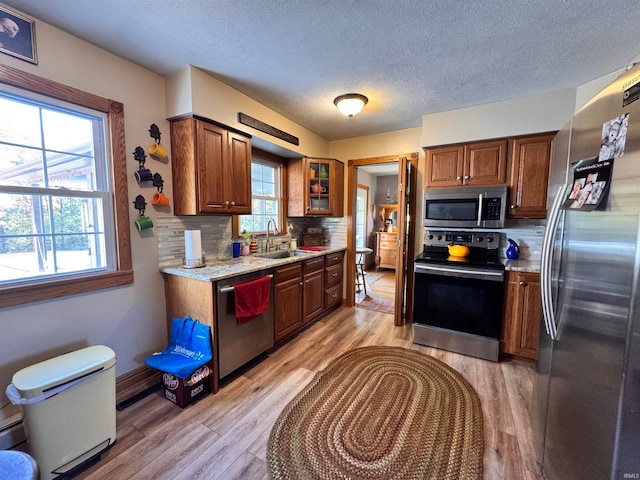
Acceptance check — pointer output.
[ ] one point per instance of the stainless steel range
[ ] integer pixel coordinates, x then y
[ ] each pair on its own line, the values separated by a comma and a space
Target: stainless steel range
458, 300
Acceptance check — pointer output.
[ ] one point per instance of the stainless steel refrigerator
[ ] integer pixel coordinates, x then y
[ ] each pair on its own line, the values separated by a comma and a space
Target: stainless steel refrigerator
586, 402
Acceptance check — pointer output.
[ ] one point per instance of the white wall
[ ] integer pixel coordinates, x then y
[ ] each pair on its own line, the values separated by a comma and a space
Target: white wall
130, 319
520, 116
192, 90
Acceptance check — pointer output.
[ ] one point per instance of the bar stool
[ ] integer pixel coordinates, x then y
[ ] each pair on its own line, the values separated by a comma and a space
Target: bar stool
360, 265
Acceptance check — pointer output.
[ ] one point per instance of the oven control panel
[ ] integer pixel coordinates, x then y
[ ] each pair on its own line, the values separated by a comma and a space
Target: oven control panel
440, 238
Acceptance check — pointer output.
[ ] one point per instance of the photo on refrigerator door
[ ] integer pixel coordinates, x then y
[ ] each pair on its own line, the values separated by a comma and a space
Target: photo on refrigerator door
614, 137
591, 179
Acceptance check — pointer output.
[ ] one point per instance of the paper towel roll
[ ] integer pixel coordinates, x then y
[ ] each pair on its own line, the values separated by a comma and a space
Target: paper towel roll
192, 247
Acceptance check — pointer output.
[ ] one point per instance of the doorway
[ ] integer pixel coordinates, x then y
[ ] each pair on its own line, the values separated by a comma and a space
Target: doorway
402, 249
375, 220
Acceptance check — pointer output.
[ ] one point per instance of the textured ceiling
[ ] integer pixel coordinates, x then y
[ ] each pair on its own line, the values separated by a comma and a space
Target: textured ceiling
410, 57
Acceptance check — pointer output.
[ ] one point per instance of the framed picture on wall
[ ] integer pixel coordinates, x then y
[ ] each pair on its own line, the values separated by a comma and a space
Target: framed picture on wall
17, 35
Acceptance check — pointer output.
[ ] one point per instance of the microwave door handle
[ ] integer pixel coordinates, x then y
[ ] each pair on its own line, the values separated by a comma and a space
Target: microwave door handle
480, 210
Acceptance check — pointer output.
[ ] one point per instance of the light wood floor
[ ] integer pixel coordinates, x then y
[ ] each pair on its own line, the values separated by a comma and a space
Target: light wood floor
225, 435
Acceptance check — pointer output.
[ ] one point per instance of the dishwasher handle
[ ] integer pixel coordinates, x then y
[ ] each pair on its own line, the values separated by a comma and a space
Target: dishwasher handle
231, 288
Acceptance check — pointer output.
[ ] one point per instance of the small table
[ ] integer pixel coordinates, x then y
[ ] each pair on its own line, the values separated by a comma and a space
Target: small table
361, 253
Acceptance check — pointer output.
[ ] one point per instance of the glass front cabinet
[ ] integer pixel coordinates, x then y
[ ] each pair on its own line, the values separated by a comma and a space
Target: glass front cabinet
316, 187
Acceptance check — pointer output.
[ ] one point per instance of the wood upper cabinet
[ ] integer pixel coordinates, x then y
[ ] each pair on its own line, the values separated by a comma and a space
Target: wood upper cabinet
522, 314
287, 295
211, 168
478, 163
529, 175
315, 187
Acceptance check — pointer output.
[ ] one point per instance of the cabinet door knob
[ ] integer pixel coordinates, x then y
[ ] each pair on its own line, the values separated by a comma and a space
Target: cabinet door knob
227, 203
513, 207
233, 204
458, 178
335, 275
523, 283
334, 295
467, 177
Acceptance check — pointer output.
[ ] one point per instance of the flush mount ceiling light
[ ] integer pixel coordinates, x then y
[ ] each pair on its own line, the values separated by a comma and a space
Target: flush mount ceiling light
350, 103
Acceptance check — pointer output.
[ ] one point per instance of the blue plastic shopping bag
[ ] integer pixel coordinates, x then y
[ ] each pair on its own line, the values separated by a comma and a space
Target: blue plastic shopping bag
189, 348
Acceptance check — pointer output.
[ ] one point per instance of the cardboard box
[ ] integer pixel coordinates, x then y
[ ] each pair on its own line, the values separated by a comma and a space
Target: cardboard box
184, 391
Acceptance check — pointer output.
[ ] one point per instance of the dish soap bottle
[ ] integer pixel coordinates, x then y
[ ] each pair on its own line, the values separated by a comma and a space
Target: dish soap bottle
513, 252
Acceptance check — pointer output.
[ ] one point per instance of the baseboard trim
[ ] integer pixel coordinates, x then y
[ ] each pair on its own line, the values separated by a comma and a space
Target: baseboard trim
135, 382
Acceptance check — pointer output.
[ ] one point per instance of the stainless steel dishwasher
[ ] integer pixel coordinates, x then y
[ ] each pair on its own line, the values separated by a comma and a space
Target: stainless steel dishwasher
240, 343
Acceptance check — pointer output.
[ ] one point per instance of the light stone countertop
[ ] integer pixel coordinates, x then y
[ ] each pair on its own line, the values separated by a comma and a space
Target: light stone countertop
522, 265
214, 271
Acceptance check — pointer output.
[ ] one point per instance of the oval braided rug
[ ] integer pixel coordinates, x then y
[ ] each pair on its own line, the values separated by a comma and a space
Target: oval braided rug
380, 413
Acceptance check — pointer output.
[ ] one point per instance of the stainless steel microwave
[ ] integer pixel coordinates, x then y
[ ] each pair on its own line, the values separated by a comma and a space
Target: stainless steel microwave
465, 207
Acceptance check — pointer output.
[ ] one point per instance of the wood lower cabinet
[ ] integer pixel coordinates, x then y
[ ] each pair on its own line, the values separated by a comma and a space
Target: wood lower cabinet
386, 250
304, 291
529, 175
478, 163
287, 305
313, 289
211, 168
522, 315
333, 274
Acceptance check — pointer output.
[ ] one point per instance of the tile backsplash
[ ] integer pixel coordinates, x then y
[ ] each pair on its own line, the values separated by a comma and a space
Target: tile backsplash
216, 235
527, 234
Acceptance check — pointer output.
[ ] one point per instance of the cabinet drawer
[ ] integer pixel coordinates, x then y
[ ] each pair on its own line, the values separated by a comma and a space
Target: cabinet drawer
388, 237
282, 274
333, 258
387, 246
313, 265
332, 275
333, 296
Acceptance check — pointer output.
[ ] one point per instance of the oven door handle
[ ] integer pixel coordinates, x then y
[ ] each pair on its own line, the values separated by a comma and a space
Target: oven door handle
495, 276
480, 210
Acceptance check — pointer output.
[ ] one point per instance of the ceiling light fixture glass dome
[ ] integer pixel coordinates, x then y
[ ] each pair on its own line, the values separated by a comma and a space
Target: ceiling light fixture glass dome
350, 103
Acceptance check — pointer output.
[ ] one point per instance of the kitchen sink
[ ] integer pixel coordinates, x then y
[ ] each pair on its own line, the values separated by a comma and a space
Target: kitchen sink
285, 254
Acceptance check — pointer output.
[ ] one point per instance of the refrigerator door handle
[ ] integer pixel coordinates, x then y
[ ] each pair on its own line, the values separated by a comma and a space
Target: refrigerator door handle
545, 264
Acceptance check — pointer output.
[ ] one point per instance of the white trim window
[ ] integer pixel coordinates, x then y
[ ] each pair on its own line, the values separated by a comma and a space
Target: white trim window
56, 205
266, 197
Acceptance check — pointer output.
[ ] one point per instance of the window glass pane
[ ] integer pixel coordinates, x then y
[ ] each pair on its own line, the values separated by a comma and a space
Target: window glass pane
71, 171
21, 166
256, 171
266, 201
66, 133
268, 189
19, 123
256, 188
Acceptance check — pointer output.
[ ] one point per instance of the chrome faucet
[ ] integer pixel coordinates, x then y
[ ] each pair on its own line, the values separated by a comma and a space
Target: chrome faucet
275, 232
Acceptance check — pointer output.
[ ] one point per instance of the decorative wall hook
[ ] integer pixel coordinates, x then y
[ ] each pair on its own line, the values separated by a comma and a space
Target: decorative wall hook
156, 150
140, 204
154, 131
158, 182
142, 174
140, 156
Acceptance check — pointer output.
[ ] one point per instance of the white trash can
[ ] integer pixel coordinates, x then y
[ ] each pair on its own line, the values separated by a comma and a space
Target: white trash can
69, 406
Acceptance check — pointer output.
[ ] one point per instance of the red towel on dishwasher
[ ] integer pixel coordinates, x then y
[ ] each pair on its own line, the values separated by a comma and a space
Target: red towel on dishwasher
252, 299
